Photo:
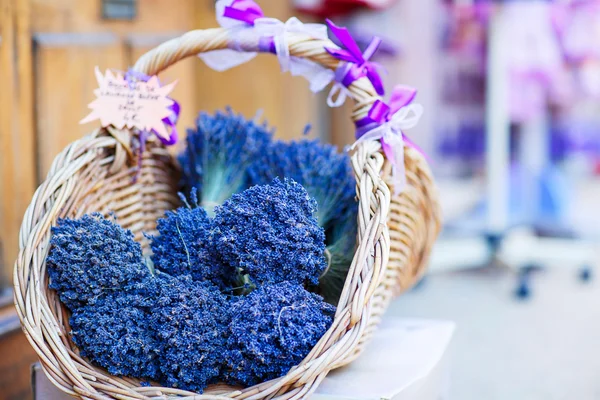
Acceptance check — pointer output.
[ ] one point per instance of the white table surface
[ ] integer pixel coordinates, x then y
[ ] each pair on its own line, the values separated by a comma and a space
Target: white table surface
406, 360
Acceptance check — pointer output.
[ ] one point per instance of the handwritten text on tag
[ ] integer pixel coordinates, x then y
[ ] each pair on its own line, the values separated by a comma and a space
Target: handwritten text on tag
124, 104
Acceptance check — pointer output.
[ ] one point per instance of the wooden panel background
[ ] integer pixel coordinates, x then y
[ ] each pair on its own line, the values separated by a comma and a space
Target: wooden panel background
17, 161
63, 88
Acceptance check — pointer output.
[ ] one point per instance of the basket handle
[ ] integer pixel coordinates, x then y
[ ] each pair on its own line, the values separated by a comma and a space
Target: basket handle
199, 41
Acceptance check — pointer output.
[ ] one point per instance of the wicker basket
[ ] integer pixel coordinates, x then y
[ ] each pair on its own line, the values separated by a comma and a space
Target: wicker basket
395, 235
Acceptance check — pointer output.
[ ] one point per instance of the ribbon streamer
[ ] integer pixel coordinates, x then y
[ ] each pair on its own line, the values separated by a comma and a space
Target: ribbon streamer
385, 123
245, 17
246, 11
338, 94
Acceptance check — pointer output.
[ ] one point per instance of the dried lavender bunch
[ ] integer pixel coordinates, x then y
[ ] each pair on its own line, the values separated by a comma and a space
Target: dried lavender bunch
340, 253
183, 245
326, 174
168, 329
114, 333
164, 328
91, 257
218, 153
190, 319
273, 329
269, 233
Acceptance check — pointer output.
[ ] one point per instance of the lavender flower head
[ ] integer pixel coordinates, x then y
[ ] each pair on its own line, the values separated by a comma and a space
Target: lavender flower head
90, 257
190, 320
269, 232
183, 246
326, 174
272, 330
114, 333
218, 153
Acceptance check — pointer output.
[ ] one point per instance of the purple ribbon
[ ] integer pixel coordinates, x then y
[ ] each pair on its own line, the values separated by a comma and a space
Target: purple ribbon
131, 76
381, 113
267, 45
244, 10
248, 11
357, 64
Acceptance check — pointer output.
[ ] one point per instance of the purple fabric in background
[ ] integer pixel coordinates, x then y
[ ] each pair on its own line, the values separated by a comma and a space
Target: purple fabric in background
466, 144
575, 137
566, 138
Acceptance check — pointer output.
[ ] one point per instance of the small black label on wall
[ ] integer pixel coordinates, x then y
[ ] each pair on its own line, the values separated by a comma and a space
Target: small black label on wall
119, 9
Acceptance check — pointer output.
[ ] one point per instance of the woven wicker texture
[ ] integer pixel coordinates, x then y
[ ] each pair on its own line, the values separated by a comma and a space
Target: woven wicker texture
395, 235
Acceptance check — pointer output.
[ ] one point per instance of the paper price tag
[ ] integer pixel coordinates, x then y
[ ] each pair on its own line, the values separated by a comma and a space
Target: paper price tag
141, 104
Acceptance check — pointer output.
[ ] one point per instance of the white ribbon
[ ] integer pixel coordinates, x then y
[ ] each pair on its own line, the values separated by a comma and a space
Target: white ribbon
338, 94
221, 60
390, 133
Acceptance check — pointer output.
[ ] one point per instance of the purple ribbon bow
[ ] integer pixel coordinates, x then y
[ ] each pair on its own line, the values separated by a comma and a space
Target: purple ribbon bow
248, 11
386, 122
357, 64
244, 10
381, 112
